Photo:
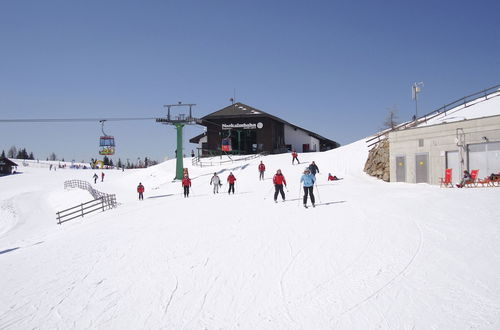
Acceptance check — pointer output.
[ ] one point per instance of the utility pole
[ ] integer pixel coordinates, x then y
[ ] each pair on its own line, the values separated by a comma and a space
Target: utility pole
415, 89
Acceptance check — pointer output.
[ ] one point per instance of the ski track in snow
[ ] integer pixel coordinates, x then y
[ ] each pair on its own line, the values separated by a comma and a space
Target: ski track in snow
388, 283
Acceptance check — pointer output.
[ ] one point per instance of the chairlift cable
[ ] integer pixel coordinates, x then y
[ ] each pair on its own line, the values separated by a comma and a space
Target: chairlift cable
50, 120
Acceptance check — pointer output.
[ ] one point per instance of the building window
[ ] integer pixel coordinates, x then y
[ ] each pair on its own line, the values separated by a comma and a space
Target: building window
420, 142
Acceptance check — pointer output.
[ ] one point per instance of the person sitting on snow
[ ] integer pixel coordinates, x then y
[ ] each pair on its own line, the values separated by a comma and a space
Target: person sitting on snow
332, 177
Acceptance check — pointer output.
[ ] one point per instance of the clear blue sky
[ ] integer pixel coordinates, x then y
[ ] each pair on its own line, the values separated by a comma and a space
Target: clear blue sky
333, 67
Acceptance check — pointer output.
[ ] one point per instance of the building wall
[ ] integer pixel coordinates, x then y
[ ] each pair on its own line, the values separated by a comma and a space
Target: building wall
436, 141
265, 135
202, 140
297, 137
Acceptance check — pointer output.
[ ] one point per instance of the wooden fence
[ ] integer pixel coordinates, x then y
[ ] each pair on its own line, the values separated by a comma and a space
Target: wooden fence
101, 201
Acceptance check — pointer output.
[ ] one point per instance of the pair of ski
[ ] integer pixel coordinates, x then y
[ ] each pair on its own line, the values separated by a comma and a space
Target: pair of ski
305, 205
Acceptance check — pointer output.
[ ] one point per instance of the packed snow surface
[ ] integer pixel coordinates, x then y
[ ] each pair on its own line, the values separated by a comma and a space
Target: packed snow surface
369, 255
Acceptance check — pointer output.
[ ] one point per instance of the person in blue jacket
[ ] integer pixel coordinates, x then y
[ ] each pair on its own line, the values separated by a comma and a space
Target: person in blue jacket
308, 183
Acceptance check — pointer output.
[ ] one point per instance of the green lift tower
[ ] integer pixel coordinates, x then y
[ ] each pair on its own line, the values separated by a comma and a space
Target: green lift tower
179, 121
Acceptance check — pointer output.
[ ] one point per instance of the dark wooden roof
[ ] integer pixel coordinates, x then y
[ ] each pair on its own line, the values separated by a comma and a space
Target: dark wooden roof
6, 161
239, 109
197, 138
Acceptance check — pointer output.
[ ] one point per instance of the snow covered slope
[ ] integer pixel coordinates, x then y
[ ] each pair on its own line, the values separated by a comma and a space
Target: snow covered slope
370, 255
481, 107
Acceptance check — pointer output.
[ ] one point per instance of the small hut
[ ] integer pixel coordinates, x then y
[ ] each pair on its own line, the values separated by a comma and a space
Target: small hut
6, 166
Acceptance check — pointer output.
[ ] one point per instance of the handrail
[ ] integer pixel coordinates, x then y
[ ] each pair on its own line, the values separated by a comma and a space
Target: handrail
442, 110
198, 162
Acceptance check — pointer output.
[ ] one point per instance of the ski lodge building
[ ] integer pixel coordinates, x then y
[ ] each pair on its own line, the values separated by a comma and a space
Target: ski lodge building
239, 128
465, 137
6, 166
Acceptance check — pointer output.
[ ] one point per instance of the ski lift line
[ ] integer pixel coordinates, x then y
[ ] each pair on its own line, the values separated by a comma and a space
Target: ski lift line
65, 120
52, 120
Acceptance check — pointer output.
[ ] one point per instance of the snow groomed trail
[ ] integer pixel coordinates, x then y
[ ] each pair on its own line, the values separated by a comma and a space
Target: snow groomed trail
370, 255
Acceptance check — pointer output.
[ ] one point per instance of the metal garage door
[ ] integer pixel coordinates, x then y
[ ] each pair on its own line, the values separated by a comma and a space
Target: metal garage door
484, 157
422, 168
400, 169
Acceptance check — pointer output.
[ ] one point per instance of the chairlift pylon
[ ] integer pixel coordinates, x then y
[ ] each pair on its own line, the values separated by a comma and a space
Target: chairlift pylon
106, 142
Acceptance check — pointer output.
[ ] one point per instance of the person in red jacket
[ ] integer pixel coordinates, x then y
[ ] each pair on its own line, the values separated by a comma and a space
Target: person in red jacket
186, 183
279, 181
140, 190
231, 179
294, 157
262, 169
332, 177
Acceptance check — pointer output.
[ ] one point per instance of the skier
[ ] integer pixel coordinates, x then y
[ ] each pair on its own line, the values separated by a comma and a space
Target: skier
95, 177
262, 169
140, 190
102, 176
216, 182
186, 183
313, 168
308, 182
279, 181
332, 177
231, 179
294, 157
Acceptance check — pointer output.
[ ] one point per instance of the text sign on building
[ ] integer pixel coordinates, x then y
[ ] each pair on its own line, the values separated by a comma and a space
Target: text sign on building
242, 125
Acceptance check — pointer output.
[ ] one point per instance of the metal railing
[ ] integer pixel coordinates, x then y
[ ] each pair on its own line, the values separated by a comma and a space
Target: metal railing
203, 162
461, 103
101, 201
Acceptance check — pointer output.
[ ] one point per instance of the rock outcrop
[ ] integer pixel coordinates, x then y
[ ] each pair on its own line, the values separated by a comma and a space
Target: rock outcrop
377, 163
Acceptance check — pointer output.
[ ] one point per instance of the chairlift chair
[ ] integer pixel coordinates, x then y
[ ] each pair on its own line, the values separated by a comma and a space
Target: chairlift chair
106, 142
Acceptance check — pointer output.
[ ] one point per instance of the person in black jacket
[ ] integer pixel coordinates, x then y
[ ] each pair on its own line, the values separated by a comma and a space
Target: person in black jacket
313, 168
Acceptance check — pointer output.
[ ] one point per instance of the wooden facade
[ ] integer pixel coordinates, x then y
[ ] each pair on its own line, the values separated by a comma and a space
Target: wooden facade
6, 166
250, 130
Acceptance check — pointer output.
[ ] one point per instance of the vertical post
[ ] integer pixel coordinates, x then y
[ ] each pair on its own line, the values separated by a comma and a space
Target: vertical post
58, 218
179, 163
239, 141
102, 201
81, 205
416, 103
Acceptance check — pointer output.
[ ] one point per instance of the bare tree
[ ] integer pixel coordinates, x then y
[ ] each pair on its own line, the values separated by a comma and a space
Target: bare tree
12, 152
52, 156
392, 117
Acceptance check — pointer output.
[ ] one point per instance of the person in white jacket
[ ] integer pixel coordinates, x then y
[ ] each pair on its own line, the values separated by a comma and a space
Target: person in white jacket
215, 181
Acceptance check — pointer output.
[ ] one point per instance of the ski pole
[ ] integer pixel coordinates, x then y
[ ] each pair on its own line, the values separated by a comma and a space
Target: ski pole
318, 192
298, 199
269, 191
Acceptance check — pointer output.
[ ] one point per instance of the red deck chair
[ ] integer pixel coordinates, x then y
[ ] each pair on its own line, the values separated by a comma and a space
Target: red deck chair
496, 181
447, 179
473, 179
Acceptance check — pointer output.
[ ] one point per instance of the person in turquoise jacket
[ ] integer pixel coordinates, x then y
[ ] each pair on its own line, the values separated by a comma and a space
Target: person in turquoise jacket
308, 183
